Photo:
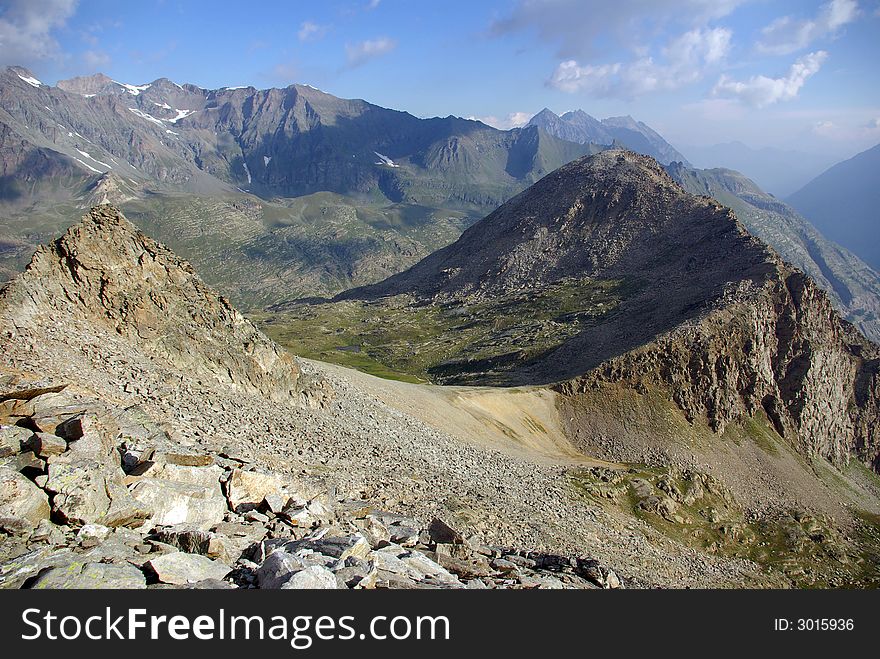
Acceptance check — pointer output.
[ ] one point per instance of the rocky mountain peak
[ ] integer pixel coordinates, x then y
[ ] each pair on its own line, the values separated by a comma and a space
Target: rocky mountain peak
93, 84
598, 216
704, 312
105, 271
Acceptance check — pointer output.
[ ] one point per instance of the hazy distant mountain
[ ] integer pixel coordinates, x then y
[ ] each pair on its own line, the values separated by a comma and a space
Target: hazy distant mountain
777, 171
578, 126
852, 285
844, 203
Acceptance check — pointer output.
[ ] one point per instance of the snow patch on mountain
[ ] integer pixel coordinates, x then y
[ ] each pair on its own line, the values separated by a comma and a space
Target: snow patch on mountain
385, 160
134, 90
148, 117
33, 82
86, 155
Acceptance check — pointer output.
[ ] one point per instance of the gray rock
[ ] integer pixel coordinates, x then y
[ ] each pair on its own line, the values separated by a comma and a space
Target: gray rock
278, 567
542, 581
181, 568
25, 462
403, 535
91, 576
247, 489
356, 573
48, 532
176, 494
398, 562
274, 503
19, 497
11, 440
87, 492
256, 516
96, 532
313, 577
45, 445
598, 574
339, 547
16, 571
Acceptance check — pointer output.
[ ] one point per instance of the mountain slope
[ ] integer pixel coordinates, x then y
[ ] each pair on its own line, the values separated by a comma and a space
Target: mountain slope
578, 126
852, 285
843, 201
670, 293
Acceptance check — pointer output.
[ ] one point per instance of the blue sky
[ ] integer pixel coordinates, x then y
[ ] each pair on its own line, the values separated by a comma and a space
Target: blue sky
796, 74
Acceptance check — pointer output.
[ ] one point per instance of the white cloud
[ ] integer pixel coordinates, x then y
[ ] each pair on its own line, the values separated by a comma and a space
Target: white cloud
373, 4
787, 34
26, 28
96, 59
580, 28
824, 128
761, 91
364, 51
310, 31
512, 120
685, 60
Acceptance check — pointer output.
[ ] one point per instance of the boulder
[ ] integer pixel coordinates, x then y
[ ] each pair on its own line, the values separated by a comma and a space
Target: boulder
340, 547
181, 568
91, 576
12, 438
87, 492
45, 444
278, 567
313, 577
20, 498
357, 573
396, 563
25, 462
176, 494
48, 532
207, 543
170, 502
246, 490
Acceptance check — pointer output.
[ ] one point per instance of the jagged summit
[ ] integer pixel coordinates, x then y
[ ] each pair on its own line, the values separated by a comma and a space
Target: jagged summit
104, 271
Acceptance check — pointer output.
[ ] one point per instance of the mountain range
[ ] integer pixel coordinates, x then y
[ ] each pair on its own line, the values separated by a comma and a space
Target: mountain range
283, 193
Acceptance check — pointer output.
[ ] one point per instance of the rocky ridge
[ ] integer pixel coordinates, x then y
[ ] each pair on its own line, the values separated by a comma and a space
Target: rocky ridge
137, 287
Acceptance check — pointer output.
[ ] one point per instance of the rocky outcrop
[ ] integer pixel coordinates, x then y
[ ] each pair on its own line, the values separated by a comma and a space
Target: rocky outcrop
783, 353
104, 270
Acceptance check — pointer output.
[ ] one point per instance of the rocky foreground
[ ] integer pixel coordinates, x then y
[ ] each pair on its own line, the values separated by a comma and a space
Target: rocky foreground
97, 496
